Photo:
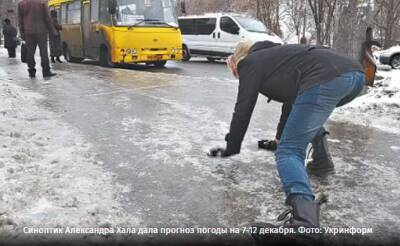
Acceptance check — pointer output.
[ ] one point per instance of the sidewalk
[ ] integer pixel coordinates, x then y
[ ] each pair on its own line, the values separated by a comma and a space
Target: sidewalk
48, 174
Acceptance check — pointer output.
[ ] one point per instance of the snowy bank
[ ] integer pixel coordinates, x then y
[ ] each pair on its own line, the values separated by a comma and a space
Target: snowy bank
49, 177
378, 107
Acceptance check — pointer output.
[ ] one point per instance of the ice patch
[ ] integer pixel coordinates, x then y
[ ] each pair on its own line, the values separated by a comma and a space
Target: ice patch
49, 175
395, 148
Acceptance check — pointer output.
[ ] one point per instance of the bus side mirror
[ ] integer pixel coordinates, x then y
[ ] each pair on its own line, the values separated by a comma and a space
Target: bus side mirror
112, 7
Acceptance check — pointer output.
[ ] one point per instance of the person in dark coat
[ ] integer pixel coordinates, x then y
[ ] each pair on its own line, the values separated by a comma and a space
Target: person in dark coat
35, 25
55, 40
314, 81
10, 38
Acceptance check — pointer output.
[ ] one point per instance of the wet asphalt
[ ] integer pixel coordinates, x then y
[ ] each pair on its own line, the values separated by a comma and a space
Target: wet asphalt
153, 127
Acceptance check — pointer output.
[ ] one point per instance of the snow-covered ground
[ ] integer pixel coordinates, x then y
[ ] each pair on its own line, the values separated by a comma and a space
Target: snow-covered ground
48, 175
379, 107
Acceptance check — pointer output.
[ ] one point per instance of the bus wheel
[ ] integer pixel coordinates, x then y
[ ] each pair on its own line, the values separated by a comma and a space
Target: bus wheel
160, 64
105, 58
68, 57
186, 54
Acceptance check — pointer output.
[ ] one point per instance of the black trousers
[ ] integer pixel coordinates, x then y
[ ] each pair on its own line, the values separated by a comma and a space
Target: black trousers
32, 41
11, 52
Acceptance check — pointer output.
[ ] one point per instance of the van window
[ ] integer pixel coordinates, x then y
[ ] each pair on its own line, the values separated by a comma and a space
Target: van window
252, 25
205, 26
187, 26
229, 26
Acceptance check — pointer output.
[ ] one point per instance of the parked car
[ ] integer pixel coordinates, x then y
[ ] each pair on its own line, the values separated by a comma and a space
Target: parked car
391, 57
216, 35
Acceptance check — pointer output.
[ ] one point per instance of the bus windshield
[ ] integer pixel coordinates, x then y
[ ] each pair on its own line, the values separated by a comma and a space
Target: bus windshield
252, 25
145, 13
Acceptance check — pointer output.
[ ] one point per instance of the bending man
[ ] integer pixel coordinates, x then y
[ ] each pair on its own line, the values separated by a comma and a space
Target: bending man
314, 80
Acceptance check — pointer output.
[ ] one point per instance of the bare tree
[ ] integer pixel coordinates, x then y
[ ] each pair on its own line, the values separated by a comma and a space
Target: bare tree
268, 11
296, 11
323, 14
387, 17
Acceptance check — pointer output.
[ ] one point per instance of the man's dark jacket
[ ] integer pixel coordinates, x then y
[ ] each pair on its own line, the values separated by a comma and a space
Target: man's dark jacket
34, 18
281, 73
10, 33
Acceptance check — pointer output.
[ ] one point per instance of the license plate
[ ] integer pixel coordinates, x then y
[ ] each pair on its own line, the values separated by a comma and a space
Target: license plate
155, 57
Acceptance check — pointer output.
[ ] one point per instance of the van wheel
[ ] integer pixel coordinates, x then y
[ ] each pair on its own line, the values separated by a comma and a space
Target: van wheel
105, 58
211, 59
160, 64
186, 54
395, 62
68, 57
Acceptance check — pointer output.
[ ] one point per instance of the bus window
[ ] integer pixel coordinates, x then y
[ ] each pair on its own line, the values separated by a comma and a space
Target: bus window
94, 10
149, 12
169, 14
104, 16
63, 14
74, 12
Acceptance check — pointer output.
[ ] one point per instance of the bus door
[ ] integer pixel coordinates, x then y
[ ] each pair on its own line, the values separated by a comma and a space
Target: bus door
85, 22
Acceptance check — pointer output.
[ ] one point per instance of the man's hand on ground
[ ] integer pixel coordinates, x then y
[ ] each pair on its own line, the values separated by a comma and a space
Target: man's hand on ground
270, 145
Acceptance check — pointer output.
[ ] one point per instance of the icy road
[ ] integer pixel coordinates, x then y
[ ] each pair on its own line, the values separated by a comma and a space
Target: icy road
127, 146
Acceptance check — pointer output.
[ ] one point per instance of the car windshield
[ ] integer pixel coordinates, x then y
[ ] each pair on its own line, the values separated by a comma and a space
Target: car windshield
252, 25
144, 13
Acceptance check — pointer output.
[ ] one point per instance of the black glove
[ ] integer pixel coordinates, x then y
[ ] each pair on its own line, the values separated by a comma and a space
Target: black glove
219, 152
271, 145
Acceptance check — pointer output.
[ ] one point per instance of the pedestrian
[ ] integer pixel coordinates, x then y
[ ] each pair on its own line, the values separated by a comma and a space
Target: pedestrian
35, 25
10, 37
314, 80
55, 40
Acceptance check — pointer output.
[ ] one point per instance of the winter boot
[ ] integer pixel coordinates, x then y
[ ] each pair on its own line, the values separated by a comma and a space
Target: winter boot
58, 59
52, 60
32, 73
302, 221
48, 73
321, 158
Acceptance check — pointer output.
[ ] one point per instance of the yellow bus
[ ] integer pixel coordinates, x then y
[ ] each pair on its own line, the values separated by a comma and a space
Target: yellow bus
119, 31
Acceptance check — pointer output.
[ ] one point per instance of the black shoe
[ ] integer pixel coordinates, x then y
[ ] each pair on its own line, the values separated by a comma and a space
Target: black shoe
32, 73
321, 158
49, 74
271, 145
58, 59
52, 60
304, 215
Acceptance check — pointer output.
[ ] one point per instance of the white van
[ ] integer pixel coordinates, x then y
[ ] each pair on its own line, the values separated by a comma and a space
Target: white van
216, 35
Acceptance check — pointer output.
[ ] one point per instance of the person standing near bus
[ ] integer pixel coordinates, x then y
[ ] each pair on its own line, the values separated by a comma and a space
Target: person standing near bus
10, 38
55, 40
34, 25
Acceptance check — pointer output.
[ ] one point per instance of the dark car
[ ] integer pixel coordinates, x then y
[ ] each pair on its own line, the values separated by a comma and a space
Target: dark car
391, 57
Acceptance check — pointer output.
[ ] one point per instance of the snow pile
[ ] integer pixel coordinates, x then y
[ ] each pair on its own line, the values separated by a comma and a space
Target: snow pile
378, 107
48, 175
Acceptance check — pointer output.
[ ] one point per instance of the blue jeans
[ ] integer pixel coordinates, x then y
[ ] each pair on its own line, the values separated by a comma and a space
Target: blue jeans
310, 111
